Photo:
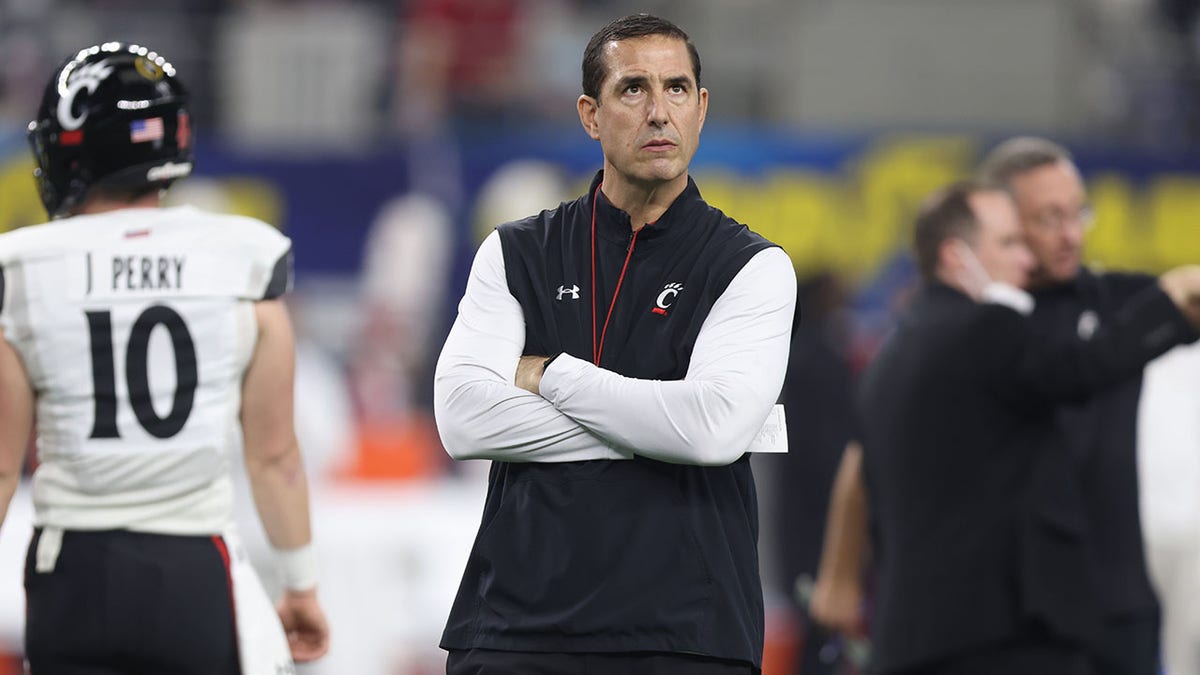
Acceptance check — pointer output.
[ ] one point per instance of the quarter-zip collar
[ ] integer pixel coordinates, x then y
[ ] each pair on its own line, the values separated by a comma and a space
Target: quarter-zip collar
1077, 286
613, 224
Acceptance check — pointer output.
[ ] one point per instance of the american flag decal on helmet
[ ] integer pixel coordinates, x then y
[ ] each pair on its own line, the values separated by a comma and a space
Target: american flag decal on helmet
142, 131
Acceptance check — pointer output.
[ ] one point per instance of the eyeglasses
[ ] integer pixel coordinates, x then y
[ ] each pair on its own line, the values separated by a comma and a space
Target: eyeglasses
1055, 219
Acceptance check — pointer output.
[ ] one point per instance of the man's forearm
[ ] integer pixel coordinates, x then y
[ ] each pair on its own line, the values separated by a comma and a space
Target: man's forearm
712, 415
479, 410
513, 426
836, 600
280, 490
8, 487
482, 414
700, 422
845, 545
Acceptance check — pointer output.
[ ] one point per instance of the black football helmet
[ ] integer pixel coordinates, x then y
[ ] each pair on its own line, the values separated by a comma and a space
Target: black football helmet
112, 115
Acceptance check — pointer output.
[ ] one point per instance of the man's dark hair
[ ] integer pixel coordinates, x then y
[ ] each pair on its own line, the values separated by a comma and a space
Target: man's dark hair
625, 28
946, 214
1017, 156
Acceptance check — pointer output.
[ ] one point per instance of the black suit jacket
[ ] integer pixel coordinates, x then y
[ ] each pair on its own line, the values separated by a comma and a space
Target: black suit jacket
1102, 437
974, 497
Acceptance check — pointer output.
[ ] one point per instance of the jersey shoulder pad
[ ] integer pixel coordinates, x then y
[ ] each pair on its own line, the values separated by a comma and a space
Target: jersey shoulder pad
261, 250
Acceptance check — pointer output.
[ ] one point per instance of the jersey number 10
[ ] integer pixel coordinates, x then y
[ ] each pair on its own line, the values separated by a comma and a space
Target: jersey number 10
137, 359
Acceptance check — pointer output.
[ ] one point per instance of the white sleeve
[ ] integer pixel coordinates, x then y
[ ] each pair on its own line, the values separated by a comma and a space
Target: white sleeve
736, 372
253, 252
480, 412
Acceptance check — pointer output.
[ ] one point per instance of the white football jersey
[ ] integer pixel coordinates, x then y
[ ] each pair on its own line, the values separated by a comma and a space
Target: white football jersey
136, 327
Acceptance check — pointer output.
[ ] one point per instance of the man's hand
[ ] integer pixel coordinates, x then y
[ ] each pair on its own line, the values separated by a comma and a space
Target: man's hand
529, 373
837, 605
1182, 284
305, 625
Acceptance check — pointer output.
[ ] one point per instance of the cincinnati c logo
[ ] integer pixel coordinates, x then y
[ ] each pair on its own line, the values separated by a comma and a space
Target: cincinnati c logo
666, 298
86, 77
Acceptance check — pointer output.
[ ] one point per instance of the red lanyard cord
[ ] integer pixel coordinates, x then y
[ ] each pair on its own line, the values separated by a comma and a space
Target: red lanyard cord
628, 255
595, 348
598, 348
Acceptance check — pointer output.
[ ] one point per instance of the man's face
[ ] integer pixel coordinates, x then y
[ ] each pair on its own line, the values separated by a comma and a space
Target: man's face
1000, 245
1054, 215
649, 113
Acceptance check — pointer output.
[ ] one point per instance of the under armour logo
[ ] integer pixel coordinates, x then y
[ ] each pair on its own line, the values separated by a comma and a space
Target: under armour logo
666, 297
573, 290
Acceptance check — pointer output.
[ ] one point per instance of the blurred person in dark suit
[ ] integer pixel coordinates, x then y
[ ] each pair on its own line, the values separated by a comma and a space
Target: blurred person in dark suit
974, 499
1071, 300
1101, 434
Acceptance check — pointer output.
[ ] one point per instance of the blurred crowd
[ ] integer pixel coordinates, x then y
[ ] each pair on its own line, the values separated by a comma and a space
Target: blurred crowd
1128, 69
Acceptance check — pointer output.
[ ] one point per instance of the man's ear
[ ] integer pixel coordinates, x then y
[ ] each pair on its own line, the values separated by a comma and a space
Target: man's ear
587, 115
949, 257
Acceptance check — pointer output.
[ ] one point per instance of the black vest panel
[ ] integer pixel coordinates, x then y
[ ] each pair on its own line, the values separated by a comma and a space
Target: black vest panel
618, 556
